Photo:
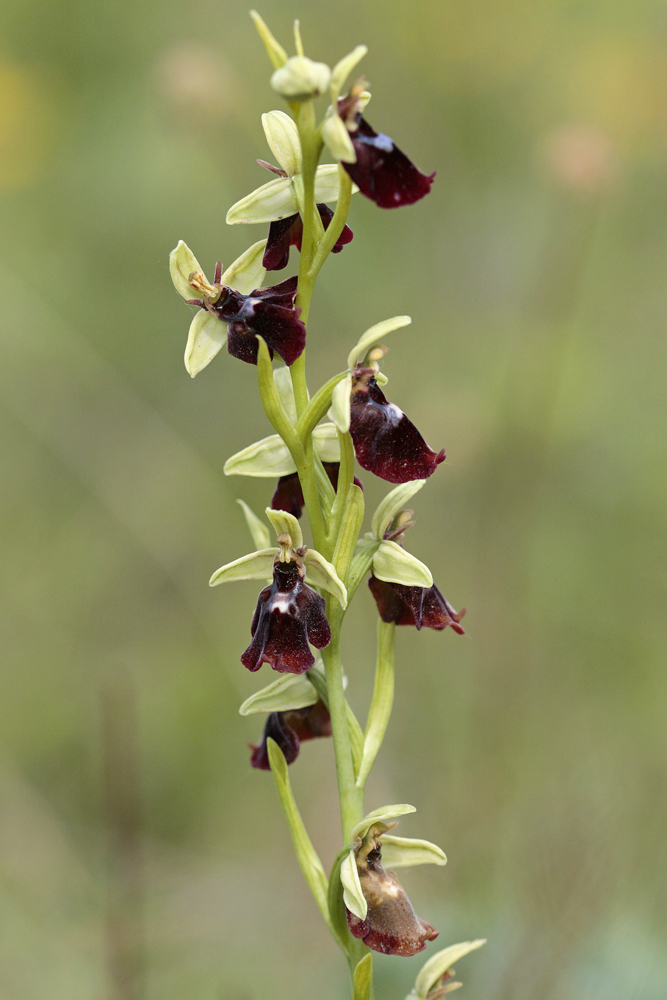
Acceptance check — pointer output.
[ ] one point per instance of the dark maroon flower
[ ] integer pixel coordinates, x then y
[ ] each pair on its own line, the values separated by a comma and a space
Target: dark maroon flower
269, 312
289, 495
382, 172
391, 925
289, 615
286, 233
289, 730
416, 606
385, 441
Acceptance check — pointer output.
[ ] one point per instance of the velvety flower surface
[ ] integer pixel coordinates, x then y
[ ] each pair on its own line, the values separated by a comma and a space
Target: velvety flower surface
269, 312
385, 441
289, 730
286, 233
289, 495
288, 616
382, 171
391, 925
418, 606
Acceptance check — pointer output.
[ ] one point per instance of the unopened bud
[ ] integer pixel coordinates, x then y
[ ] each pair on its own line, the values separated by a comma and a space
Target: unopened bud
301, 79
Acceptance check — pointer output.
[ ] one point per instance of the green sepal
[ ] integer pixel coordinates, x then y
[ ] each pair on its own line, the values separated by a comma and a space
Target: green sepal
440, 963
270, 458
206, 338
282, 136
182, 262
382, 701
373, 336
363, 978
268, 203
339, 410
403, 852
247, 272
336, 903
391, 505
393, 564
321, 573
353, 517
254, 566
286, 523
258, 530
353, 895
289, 692
379, 816
309, 862
274, 49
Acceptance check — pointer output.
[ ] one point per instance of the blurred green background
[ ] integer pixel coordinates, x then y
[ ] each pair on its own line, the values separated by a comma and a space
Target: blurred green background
136, 844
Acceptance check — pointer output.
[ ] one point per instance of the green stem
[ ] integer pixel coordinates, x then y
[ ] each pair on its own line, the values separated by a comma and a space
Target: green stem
351, 797
336, 225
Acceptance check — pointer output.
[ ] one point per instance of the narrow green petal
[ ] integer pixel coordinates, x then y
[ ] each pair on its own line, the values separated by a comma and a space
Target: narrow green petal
343, 68
258, 530
393, 564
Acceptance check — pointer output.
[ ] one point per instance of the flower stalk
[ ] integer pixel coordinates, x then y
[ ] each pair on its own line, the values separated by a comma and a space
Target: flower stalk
308, 589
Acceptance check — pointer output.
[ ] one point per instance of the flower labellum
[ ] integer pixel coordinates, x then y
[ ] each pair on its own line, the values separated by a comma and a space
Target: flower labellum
269, 312
289, 495
416, 606
382, 171
288, 616
386, 443
289, 730
286, 233
391, 925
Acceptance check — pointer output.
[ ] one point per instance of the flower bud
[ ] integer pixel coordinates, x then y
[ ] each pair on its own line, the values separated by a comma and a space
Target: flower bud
301, 79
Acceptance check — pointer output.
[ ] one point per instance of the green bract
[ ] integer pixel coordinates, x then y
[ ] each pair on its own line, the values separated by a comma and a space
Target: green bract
274, 49
342, 70
270, 457
433, 971
291, 691
283, 382
206, 337
393, 564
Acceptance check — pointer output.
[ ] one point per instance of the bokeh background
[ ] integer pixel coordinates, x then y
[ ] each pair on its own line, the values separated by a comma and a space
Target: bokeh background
139, 854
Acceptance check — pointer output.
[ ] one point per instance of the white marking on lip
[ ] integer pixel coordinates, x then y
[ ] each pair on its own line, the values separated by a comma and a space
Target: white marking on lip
282, 604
